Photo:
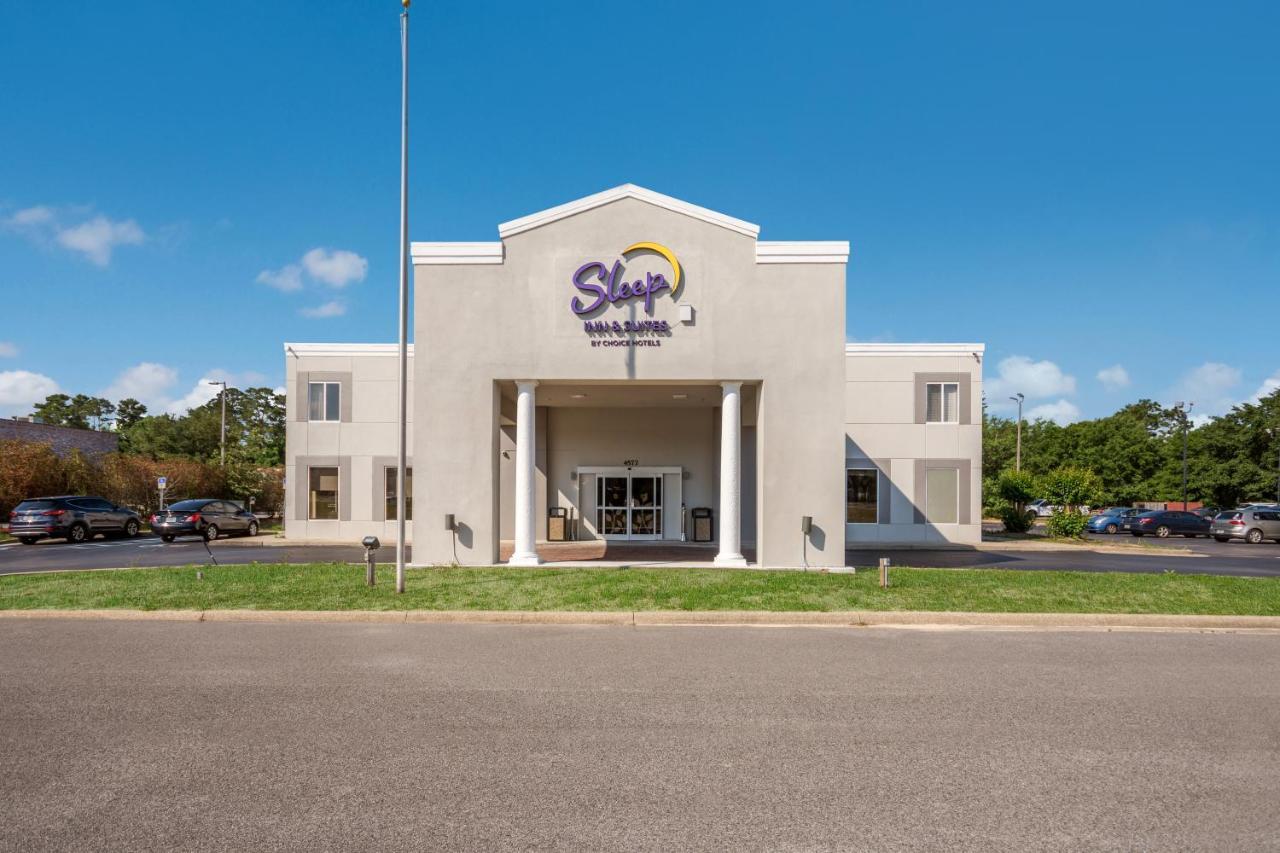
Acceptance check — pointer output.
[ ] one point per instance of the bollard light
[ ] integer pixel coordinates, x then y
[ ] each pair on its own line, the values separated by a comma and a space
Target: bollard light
370, 544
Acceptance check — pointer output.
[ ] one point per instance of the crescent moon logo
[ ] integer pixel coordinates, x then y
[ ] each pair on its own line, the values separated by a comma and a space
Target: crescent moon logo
676, 278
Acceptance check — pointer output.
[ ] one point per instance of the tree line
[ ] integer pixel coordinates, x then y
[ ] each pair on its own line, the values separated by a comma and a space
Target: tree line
1137, 453
186, 449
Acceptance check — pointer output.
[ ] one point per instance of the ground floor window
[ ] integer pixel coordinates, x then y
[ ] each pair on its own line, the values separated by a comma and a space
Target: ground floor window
390, 491
942, 495
323, 494
862, 495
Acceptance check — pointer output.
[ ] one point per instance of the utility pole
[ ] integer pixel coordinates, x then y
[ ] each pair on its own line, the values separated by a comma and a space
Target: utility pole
1018, 398
1185, 410
222, 442
401, 461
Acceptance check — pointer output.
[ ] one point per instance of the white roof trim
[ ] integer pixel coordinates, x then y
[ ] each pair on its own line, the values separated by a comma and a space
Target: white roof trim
456, 253
915, 349
554, 214
800, 252
343, 349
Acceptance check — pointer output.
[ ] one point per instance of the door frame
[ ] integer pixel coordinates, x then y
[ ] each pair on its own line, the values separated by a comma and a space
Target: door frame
656, 471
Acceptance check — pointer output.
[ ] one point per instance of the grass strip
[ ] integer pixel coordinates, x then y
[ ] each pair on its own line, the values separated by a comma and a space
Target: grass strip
328, 586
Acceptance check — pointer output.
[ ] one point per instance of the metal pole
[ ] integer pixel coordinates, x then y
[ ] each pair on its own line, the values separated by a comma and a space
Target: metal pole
1017, 463
222, 441
401, 461
1186, 422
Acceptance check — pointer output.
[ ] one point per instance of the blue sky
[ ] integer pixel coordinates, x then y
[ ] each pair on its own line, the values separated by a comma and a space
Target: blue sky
183, 186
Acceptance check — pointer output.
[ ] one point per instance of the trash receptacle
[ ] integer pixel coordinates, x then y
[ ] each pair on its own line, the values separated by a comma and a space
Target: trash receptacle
704, 528
557, 524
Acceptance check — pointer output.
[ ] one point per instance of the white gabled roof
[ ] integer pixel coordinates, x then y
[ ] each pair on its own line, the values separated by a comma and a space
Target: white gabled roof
300, 349
553, 214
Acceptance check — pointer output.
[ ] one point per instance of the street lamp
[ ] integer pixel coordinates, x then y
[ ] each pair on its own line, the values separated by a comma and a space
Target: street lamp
1018, 398
223, 440
402, 450
1274, 432
1185, 410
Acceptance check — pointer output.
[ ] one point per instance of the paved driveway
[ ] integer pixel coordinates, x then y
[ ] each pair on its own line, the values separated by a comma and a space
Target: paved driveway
1217, 558
217, 736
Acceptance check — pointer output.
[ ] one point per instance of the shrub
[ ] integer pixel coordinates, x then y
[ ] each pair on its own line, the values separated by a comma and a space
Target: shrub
1017, 520
1067, 524
1071, 487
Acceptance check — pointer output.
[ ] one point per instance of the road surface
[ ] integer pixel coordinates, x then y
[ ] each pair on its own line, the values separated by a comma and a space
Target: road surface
216, 736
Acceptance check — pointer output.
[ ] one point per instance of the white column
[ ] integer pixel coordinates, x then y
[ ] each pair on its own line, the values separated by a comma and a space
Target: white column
731, 476
525, 553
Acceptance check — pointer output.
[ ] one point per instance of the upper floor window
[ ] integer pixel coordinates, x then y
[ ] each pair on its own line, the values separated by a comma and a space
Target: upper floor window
391, 494
324, 401
942, 403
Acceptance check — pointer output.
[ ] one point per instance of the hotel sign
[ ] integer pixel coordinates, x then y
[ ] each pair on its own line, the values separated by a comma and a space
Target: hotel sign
600, 285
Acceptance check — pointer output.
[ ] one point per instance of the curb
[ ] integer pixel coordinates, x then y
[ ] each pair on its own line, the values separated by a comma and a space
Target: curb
656, 618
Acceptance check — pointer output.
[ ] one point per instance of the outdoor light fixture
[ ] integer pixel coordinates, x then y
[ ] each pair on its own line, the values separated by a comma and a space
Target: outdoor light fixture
578, 396
679, 396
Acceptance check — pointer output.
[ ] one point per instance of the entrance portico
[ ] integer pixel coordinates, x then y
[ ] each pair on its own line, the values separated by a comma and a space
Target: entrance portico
625, 463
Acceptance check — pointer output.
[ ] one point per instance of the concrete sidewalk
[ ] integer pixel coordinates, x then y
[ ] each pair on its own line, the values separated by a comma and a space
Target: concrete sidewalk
844, 619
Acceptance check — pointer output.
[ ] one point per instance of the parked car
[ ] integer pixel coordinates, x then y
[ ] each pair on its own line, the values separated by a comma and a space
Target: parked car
76, 518
1042, 508
1252, 524
1110, 519
1166, 522
207, 517
1209, 512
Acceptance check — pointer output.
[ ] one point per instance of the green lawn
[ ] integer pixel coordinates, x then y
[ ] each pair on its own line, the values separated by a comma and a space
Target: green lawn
341, 587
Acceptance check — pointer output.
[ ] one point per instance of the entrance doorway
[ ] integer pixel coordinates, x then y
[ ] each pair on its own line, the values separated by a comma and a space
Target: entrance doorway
632, 504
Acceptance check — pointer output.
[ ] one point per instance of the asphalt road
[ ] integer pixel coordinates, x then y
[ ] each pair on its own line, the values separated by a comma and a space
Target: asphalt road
217, 736
150, 551
1212, 557
1207, 558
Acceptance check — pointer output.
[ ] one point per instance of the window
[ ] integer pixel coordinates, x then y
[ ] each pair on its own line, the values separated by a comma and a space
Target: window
861, 498
390, 492
323, 494
942, 495
324, 401
942, 403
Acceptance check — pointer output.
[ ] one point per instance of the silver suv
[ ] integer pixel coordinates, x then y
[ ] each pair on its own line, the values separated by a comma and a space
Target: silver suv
1253, 524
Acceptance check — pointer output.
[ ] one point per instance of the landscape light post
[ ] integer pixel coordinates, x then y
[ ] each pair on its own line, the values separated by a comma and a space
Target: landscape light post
222, 441
1185, 409
401, 461
1017, 463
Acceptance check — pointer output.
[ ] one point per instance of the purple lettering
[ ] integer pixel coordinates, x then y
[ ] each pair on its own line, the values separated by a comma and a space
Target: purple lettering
580, 281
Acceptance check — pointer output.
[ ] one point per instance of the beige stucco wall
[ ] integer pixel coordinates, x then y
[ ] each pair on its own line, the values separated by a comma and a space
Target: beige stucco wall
880, 413
368, 437
479, 326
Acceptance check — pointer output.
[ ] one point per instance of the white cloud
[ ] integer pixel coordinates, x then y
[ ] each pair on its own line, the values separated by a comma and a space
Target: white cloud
148, 382
200, 393
1114, 378
31, 216
8, 349
1211, 386
99, 236
95, 238
1062, 412
22, 389
1020, 375
336, 268
332, 308
1267, 388
286, 279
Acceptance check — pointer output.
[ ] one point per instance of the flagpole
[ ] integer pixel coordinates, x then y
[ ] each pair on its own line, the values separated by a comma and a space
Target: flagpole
401, 460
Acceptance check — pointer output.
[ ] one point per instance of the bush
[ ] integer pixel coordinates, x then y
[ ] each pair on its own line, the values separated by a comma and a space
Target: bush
1067, 524
1017, 520
1071, 487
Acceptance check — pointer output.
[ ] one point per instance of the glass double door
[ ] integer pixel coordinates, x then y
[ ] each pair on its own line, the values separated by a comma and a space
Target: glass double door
629, 505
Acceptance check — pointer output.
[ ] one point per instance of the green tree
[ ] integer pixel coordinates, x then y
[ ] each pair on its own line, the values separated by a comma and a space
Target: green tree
128, 412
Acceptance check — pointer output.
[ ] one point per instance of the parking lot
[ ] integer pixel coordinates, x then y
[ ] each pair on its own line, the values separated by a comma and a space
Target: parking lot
1205, 557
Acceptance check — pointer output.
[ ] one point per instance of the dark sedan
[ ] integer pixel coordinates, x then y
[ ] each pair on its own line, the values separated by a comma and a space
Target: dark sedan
75, 518
204, 517
1165, 523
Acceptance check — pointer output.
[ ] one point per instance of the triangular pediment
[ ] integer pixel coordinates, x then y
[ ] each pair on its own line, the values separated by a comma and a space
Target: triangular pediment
666, 202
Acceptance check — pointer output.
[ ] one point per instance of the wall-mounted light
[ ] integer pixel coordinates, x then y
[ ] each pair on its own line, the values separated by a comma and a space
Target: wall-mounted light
578, 396
679, 396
